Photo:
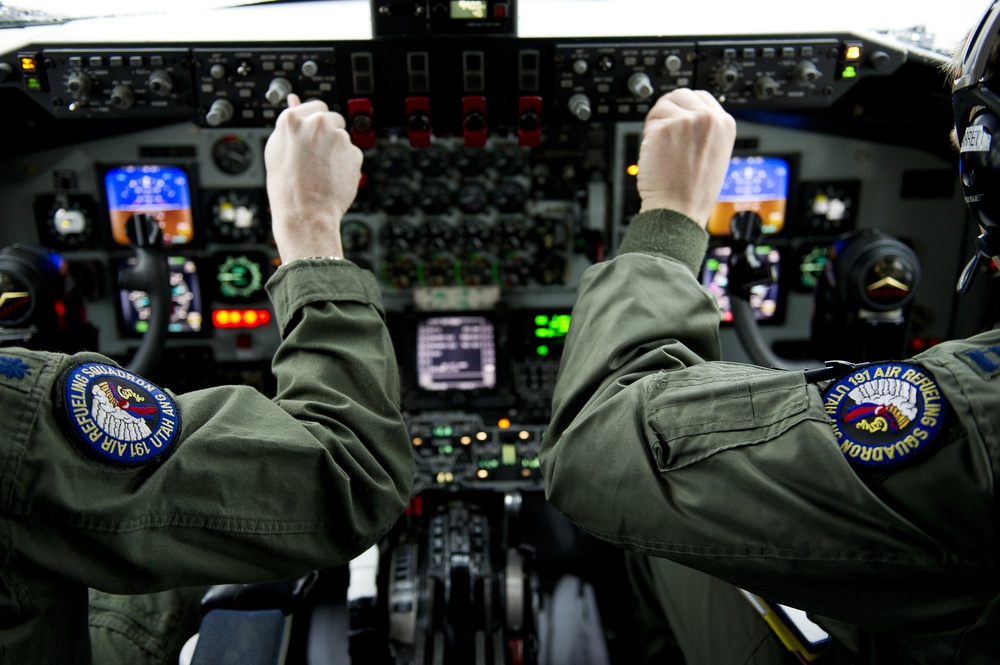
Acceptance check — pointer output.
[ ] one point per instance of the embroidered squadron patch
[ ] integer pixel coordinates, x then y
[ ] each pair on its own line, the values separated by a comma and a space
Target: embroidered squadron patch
118, 417
884, 414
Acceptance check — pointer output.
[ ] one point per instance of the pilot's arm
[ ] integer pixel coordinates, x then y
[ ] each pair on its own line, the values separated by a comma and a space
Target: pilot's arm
108, 481
733, 469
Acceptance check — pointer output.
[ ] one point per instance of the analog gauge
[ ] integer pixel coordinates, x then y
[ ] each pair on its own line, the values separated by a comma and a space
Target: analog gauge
396, 199
511, 233
508, 159
811, 264
550, 233
240, 277
509, 197
473, 235
355, 235
397, 235
829, 208
470, 162
550, 269
237, 216
434, 198
392, 160
476, 270
66, 221
436, 235
472, 198
400, 271
514, 269
431, 161
232, 155
438, 270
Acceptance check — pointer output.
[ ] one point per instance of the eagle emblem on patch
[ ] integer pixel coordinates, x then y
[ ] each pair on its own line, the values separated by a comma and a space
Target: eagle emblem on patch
884, 414
118, 417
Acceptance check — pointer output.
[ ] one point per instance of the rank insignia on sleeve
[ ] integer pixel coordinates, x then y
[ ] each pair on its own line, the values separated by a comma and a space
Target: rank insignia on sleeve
884, 414
116, 416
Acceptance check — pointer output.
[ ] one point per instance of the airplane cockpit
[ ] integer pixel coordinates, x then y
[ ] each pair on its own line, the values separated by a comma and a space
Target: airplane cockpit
500, 142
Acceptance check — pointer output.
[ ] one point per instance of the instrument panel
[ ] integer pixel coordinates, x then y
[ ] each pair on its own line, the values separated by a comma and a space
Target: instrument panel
497, 168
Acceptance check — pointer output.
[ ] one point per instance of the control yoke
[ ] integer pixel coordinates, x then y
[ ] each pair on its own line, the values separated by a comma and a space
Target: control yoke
152, 275
746, 270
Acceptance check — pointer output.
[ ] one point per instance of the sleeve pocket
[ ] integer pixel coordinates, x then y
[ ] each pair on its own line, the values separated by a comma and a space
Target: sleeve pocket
708, 408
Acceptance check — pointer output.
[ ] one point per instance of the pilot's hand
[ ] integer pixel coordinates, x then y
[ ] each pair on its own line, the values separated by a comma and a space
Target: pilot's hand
686, 145
313, 171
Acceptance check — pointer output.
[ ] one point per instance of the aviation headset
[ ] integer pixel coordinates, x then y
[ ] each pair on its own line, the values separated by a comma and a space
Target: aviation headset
977, 124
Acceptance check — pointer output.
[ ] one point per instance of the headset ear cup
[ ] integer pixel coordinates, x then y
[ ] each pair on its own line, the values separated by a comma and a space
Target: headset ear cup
980, 169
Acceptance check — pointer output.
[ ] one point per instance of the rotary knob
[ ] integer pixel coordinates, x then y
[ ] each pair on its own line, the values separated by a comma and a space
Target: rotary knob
78, 84
221, 111
765, 88
160, 83
278, 91
579, 106
122, 97
640, 85
805, 73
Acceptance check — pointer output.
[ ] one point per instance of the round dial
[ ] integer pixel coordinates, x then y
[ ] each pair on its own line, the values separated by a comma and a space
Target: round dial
400, 271
438, 270
232, 155
829, 207
237, 217
476, 270
240, 277
355, 236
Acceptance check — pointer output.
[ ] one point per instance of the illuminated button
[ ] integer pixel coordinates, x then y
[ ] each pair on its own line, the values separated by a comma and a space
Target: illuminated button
95, 61
417, 441
465, 440
482, 473
853, 52
28, 63
524, 435
32, 83
503, 423
482, 436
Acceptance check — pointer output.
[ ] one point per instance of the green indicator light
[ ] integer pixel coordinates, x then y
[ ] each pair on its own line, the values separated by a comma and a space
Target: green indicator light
560, 323
443, 430
542, 350
142, 326
849, 73
508, 454
530, 463
541, 320
545, 333
446, 450
489, 463
712, 264
33, 83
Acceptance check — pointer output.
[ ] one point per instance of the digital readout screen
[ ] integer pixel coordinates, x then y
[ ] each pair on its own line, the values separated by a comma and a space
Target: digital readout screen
764, 298
756, 184
468, 9
160, 192
185, 301
456, 353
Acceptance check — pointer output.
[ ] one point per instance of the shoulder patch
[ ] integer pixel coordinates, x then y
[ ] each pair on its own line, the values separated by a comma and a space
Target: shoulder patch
884, 414
116, 416
986, 361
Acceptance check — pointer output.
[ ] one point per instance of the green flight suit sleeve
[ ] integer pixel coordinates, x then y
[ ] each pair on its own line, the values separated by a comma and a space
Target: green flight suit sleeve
658, 446
256, 489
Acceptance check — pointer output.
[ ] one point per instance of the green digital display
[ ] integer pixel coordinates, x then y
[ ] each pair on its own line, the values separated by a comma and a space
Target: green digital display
468, 9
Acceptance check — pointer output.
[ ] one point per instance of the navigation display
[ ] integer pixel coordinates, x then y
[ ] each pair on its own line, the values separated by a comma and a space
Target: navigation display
765, 299
456, 353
